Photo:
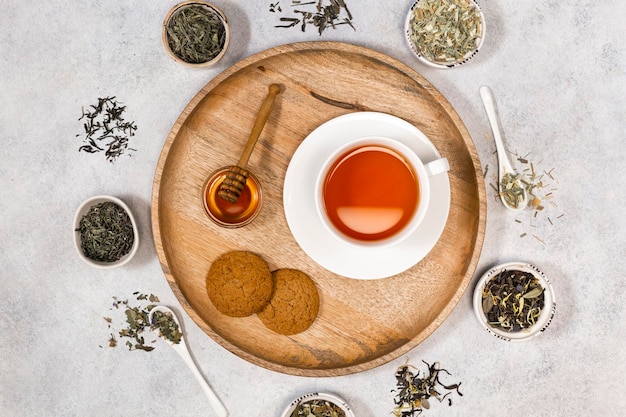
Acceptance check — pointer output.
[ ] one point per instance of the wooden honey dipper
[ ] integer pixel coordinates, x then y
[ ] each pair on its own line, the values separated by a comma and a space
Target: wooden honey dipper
235, 180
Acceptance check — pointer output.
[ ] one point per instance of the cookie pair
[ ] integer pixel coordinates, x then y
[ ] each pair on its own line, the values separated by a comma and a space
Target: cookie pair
240, 284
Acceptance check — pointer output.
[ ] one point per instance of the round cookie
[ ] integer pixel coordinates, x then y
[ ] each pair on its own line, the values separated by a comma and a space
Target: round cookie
239, 283
294, 304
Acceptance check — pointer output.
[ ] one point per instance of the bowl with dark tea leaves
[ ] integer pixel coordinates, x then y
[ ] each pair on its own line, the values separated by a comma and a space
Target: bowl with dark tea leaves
196, 33
318, 404
105, 232
445, 33
514, 301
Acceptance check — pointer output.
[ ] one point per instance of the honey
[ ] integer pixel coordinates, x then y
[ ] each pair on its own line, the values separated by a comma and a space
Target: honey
229, 214
370, 193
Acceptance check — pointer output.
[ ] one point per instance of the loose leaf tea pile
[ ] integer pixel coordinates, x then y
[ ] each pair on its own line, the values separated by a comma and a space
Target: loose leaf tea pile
167, 326
320, 14
196, 34
317, 408
512, 190
106, 232
513, 300
106, 130
137, 322
445, 31
414, 389
540, 186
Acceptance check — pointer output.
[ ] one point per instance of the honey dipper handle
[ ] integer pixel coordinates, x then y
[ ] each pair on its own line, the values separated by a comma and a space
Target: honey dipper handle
259, 124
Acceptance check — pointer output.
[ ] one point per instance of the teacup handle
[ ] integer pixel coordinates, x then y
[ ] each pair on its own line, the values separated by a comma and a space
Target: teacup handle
436, 167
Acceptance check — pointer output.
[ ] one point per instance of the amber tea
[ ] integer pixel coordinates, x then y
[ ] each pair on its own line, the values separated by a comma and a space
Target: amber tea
371, 193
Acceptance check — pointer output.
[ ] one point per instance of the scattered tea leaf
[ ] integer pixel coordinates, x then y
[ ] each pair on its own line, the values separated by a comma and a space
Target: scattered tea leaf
321, 14
540, 188
137, 322
414, 390
105, 129
275, 7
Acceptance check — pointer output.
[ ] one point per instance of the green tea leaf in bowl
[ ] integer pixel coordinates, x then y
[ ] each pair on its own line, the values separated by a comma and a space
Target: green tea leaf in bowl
106, 232
196, 33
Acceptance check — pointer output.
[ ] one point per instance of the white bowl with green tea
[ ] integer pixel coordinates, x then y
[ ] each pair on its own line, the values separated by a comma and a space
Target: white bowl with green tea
514, 301
445, 33
105, 232
196, 33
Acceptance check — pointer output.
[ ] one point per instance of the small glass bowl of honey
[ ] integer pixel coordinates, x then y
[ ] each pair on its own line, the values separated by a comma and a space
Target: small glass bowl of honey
225, 213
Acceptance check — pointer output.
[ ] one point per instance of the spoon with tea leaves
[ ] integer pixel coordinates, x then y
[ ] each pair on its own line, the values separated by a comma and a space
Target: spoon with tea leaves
235, 180
164, 319
510, 187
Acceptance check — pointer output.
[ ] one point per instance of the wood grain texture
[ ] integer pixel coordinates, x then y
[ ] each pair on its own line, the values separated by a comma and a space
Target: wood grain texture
361, 323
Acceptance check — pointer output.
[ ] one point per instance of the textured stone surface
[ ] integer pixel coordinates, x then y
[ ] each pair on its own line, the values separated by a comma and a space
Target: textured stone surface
557, 70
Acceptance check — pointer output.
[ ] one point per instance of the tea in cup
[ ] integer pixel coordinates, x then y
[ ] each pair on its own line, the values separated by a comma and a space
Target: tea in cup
374, 191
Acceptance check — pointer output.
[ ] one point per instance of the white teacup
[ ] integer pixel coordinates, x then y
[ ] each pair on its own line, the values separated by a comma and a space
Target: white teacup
374, 192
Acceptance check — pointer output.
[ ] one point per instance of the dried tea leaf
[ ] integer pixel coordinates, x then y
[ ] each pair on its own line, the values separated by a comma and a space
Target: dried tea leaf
106, 232
106, 130
322, 15
535, 292
512, 190
196, 34
167, 326
317, 408
517, 298
136, 322
445, 31
414, 390
487, 303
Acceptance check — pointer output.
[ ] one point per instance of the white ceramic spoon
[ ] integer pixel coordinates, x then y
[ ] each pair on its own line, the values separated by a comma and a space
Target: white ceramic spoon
182, 349
504, 165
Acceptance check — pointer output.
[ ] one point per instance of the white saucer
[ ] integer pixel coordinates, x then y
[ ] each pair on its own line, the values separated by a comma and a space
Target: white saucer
307, 228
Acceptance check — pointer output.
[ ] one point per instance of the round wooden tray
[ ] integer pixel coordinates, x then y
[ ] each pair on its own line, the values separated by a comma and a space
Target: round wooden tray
362, 323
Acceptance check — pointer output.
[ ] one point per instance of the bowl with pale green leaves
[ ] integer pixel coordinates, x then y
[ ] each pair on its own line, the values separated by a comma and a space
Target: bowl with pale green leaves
445, 33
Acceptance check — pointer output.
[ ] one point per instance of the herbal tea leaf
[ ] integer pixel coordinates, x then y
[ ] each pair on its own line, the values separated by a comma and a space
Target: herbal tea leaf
167, 326
106, 232
414, 390
136, 321
517, 300
445, 31
106, 130
196, 34
320, 14
535, 292
317, 408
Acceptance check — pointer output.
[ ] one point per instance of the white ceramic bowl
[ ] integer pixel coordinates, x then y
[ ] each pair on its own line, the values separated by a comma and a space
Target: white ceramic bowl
84, 209
319, 396
216, 11
545, 318
452, 64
